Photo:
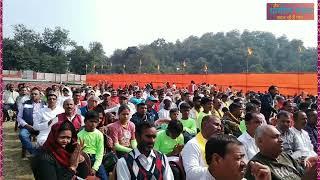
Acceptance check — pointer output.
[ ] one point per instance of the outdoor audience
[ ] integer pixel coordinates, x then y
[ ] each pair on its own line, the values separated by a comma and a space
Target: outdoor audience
141, 132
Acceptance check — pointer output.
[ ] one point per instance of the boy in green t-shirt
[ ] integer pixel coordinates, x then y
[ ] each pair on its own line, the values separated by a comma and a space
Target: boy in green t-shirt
170, 141
93, 143
189, 124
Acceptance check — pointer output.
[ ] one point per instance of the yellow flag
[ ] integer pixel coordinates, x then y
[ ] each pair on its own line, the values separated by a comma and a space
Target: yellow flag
124, 66
158, 67
250, 51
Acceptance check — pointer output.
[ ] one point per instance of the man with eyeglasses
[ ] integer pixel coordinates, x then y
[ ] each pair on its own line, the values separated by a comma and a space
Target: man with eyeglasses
27, 113
46, 118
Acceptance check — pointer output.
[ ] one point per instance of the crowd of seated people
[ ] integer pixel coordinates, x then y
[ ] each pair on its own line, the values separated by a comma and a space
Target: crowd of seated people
200, 132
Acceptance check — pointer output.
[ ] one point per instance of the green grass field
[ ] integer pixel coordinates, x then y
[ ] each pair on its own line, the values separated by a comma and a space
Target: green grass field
15, 168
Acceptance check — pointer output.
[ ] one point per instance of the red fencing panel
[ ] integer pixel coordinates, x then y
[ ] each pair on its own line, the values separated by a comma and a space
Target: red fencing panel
288, 83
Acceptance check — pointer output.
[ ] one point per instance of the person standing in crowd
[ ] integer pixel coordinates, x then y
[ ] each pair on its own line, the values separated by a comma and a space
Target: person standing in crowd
26, 115
252, 121
311, 127
193, 153
144, 162
122, 132
192, 87
267, 103
46, 118
93, 144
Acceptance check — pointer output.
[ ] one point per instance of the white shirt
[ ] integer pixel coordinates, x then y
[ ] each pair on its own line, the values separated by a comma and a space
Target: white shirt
164, 114
250, 146
124, 174
305, 143
193, 162
40, 123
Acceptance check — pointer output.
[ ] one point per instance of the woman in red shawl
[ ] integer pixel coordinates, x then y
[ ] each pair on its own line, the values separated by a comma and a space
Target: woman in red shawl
61, 156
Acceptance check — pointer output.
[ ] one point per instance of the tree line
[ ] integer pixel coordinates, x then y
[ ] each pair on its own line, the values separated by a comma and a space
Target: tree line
223, 52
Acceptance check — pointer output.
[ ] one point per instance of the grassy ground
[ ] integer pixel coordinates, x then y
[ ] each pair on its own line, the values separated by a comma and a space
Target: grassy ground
15, 168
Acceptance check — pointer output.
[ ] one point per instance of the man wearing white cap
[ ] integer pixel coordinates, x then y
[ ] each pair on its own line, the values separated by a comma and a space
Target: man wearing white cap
165, 112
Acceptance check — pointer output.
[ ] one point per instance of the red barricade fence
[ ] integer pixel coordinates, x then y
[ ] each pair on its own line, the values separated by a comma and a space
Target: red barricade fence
288, 83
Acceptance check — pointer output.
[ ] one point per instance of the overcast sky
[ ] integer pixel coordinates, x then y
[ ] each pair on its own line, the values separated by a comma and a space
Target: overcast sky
122, 23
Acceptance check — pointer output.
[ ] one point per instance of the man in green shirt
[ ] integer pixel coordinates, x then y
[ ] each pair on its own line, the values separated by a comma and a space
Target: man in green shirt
93, 143
281, 164
170, 141
189, 124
